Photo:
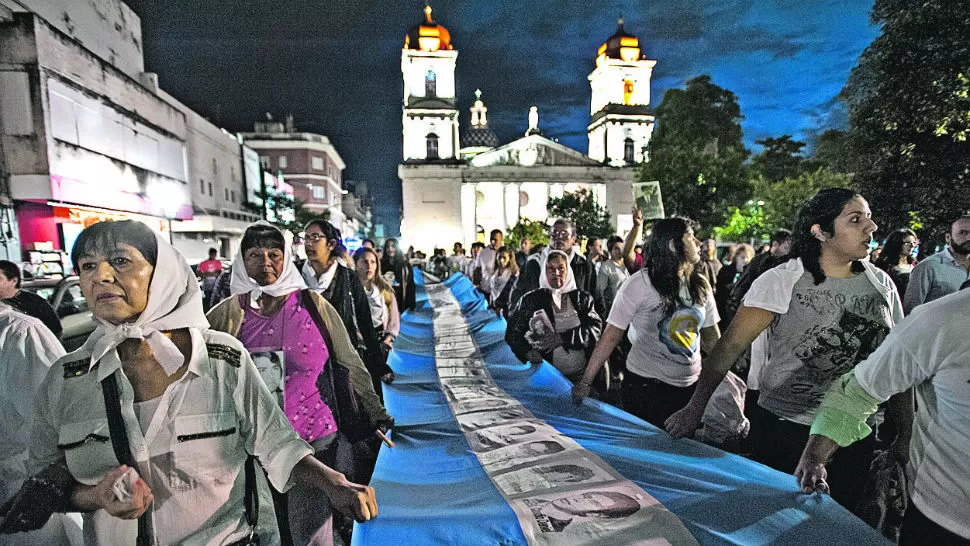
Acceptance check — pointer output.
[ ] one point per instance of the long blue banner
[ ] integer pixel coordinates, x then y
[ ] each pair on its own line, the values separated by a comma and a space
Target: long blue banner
432, 487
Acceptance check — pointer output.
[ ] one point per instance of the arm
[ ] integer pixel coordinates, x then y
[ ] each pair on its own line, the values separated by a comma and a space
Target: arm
709, 338
591, 325
349, 498
746, 326
918, 288
608, 341
630, 243
515, 333
393, 320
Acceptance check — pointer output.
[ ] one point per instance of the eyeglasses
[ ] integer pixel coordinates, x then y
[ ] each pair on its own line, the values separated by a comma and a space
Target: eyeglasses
315, 238
561, 234
907, 243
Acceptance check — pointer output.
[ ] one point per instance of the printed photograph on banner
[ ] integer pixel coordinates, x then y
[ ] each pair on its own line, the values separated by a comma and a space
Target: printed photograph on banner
467, 382
467, 362
485, 419
269, 363
482, 404
454, 345
617, 513
476, 392
463, 373
526, 453
507, 435
452, 336
455, 352
570, 472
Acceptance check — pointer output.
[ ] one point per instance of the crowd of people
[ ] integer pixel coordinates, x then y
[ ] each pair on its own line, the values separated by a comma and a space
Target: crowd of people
206, 404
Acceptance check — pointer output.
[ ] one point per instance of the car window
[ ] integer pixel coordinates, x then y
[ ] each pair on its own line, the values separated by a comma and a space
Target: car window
73, 301
46, 292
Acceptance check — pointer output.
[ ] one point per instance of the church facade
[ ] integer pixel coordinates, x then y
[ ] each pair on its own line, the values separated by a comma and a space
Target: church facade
458, 186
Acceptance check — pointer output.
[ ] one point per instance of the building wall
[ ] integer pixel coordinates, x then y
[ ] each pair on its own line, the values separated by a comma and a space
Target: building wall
607, 83
607, 139
415, 65
417, 128
300, 171
107, 28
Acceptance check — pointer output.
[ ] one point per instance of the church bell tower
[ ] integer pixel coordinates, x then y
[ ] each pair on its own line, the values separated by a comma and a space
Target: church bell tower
430, 113
621, 124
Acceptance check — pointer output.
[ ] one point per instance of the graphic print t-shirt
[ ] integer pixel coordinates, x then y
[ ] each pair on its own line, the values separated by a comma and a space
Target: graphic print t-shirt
665, 347
827, 330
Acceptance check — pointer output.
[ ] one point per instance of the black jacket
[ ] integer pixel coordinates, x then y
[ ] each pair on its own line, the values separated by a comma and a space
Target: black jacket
583, 338
584, 271
404, 289
346, 294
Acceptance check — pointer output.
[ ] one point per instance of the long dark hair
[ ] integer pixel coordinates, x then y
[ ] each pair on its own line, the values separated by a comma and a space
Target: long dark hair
893, 249
822, 209
664, 267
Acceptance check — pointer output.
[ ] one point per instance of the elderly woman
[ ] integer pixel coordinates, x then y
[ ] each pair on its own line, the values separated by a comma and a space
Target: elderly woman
153, 390
556, 322
271, 314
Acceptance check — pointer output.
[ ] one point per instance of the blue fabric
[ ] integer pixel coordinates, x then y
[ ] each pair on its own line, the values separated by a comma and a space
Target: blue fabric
431, 488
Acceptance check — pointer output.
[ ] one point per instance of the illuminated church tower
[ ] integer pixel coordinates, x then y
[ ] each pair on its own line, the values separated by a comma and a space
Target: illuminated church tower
621, 123
430, 113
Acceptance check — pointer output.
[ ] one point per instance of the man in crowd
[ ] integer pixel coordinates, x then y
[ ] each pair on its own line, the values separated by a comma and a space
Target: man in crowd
25, 301
632, 259
209, 271
525, 248
485, 263
469, 269
594, 252
709, 263
777, 254
562, 237
943, 272
458, 259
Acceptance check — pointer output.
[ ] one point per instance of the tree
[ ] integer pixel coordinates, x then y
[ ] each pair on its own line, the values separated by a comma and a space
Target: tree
746, 223
834, 151
288, 213
780, 159
697, 154
784, 198
590, 219
909, 99
537, 232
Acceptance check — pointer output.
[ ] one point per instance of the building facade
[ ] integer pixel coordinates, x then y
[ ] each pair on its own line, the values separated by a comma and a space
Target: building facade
461, 195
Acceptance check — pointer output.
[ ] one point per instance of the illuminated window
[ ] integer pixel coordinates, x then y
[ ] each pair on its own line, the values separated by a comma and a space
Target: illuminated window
283, 162
264, 161
317, 163
320, 192
628, 151
430, 84
432, 146
627, 91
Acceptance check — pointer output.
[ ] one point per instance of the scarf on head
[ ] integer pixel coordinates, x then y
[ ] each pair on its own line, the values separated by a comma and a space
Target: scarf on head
288, 282
567, 287
174, 301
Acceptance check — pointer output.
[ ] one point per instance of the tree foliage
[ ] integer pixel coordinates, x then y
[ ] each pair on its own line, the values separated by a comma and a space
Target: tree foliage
288, 213
746, 223
780, 159
784, 198
591, 219
537, 232
697, 154
909, 111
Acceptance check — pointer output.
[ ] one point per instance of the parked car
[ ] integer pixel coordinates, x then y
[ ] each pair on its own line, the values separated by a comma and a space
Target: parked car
68, 302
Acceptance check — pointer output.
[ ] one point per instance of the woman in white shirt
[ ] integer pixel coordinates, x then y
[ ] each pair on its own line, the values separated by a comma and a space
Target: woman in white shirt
385, 315
190, 402
814, 318
669, 309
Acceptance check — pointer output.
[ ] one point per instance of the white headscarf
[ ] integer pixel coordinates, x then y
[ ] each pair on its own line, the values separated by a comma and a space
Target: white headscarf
567, 287
174, 301
289, 280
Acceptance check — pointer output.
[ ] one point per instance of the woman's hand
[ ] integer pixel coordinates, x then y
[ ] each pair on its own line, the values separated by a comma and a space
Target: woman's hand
102, 496
355, 500
534, 356
580, 391
388, 378
388, 341
685, 422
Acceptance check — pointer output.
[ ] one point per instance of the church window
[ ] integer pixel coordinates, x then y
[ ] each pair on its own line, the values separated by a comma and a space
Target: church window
628, 151
432, 140
627, 91
430, 84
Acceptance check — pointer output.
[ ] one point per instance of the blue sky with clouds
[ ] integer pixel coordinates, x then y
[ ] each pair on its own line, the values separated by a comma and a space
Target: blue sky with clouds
336, 65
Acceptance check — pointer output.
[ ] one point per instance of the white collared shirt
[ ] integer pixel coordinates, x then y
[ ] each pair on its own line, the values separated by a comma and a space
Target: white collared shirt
319, 283
193, 451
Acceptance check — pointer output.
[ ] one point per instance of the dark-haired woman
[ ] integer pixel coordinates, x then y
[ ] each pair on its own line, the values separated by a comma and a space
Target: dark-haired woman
187, 401
669, 309
814, 318
897, 257
336, 282
397, 264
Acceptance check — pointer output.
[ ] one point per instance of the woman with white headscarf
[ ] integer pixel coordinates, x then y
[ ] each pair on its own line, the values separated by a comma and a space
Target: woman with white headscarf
556, 322
186, 401
269, 313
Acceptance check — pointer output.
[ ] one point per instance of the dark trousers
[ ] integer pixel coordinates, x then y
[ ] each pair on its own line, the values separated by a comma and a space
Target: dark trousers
779, 443
919, 529
653, 400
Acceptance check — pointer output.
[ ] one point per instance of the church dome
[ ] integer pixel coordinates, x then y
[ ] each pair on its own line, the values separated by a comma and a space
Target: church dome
428, 36
478, 136
621, 46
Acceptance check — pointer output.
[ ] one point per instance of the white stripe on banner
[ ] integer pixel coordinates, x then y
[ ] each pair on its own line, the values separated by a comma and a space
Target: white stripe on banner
561, 493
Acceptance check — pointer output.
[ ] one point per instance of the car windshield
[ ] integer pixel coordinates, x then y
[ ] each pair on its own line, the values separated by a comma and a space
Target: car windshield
46, 292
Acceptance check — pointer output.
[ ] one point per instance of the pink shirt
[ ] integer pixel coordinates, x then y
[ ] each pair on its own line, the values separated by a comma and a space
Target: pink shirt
210, 266
304, 356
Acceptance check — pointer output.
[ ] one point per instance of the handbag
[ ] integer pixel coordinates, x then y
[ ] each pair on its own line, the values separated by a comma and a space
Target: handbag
336, 387
122, 450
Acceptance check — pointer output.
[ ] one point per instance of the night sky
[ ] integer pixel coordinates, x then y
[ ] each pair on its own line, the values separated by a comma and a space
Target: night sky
335, 65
